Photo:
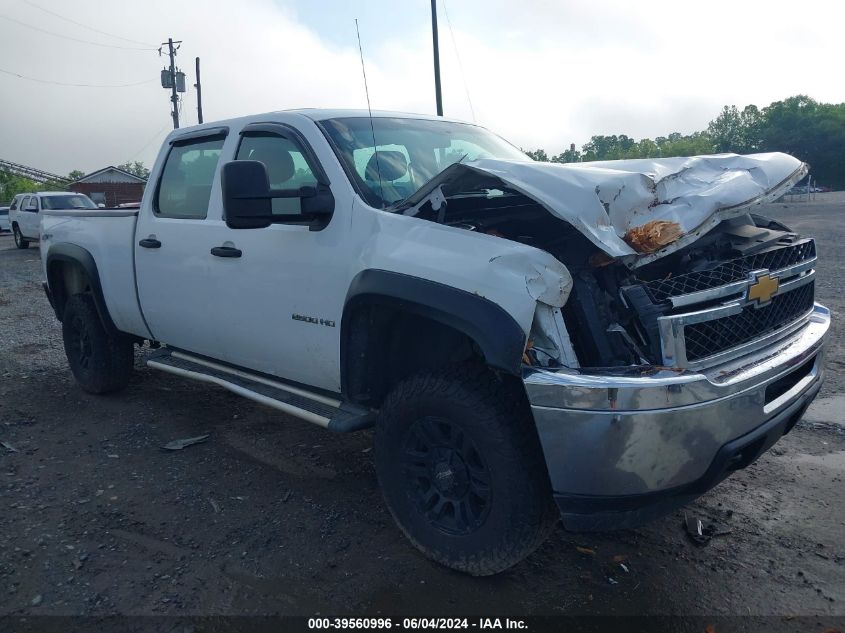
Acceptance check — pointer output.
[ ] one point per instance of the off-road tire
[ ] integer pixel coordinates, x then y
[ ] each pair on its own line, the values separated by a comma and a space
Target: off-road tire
20, 241
496, 420
100, 363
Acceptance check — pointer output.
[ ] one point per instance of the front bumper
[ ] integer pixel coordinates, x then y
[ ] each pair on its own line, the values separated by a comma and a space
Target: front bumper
623, 449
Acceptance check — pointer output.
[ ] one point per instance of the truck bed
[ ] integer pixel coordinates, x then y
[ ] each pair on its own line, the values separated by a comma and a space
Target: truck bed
108, 236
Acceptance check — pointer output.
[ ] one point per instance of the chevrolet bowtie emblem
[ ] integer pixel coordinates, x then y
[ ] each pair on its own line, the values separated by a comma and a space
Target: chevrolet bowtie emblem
763, 288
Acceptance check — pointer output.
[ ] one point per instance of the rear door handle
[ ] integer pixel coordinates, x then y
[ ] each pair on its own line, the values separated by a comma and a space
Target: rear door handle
150, 242
226, 251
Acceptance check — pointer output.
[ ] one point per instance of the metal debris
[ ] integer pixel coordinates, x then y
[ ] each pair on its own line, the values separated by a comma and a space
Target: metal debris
8, 447
178, 445
699, 533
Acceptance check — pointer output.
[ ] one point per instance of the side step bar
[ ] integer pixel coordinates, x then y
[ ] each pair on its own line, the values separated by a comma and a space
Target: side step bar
335, 415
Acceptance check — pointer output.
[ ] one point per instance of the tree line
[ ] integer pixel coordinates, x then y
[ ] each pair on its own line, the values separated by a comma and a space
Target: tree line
811, 131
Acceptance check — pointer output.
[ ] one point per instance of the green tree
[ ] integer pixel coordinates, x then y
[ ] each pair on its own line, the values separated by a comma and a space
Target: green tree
537, 154
11, 185
568, 156
809, 130
75, 175
736, 131
135, 168
608, 147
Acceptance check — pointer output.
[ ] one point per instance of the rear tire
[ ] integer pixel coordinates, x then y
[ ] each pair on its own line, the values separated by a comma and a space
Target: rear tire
461, 469
101, 363
20, 241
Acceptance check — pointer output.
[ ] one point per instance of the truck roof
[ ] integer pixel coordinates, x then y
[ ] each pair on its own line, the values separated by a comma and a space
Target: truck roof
321, 114
315, 114
46, 193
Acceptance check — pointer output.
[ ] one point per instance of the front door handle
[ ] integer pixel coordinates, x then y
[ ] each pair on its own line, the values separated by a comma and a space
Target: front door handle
226, 251
150, 242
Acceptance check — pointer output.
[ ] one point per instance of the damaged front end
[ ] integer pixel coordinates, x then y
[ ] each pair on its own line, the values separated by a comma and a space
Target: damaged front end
687, 340
645, 243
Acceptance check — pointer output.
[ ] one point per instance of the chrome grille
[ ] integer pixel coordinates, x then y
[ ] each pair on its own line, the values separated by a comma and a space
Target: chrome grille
731, 271
712, 337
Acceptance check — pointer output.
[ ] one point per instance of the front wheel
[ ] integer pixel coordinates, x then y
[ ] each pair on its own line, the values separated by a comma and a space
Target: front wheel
20, 241
461, 470
100, 362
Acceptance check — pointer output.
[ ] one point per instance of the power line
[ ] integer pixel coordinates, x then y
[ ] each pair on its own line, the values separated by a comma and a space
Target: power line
73, 39
84, 26
61, 83
458, 57
147, 144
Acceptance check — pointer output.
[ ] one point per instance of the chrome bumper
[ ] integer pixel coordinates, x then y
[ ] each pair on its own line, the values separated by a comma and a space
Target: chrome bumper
616, 436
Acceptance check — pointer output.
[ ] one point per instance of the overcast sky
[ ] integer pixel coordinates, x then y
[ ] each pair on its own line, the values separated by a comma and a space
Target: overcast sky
541, 73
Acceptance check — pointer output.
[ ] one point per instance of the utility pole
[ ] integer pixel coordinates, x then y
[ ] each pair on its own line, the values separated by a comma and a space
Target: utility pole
198, 86
173, 98
437, 92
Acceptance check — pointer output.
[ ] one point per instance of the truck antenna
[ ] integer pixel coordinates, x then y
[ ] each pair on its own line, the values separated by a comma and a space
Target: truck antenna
370, 111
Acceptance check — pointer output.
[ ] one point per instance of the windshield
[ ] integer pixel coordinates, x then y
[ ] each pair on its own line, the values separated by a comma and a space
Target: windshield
410, 152
67, 202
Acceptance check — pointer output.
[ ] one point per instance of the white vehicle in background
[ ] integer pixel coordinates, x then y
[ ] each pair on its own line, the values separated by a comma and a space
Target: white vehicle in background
4, 220
25, 212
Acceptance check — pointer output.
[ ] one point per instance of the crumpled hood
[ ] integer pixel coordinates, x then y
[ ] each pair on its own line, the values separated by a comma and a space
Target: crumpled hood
643, 209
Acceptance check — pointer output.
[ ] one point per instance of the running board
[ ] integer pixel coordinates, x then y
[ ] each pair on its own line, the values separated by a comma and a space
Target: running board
330, 413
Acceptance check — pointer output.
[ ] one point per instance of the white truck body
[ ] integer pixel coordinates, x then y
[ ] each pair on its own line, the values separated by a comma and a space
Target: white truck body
573, 308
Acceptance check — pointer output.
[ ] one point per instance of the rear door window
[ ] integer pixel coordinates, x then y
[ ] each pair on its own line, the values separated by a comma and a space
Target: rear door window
184, 189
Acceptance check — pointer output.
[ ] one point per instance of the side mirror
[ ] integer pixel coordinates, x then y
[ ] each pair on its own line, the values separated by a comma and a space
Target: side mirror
247, 199
101, 206
246, 195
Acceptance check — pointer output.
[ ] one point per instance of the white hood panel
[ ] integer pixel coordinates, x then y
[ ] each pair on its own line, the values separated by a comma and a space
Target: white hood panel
644, 209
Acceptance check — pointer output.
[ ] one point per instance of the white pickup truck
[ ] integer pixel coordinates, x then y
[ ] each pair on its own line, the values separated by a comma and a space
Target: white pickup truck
614, 337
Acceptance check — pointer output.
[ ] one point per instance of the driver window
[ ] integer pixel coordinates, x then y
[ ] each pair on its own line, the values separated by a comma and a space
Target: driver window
286, 167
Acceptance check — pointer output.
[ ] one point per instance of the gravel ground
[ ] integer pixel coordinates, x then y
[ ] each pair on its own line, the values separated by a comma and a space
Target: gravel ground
273, 515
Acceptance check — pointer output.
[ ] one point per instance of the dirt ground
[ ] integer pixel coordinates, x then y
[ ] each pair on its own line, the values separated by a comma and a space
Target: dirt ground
273, 515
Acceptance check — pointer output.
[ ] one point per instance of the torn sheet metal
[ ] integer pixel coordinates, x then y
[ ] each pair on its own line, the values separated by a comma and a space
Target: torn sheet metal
547, 281
550, 340
642, 209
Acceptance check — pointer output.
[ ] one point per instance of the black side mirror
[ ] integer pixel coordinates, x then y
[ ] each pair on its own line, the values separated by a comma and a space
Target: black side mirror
247, 199
246, 195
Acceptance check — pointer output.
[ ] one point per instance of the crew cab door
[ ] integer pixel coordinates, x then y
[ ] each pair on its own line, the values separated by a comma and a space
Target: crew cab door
267, 299
175, 230
282, 299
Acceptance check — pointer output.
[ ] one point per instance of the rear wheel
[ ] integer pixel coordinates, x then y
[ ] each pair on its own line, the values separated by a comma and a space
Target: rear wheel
20, 240
101, 363
462, 471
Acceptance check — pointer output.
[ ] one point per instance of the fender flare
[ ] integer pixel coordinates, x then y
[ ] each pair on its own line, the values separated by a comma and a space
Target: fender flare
496, 333
81, 257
